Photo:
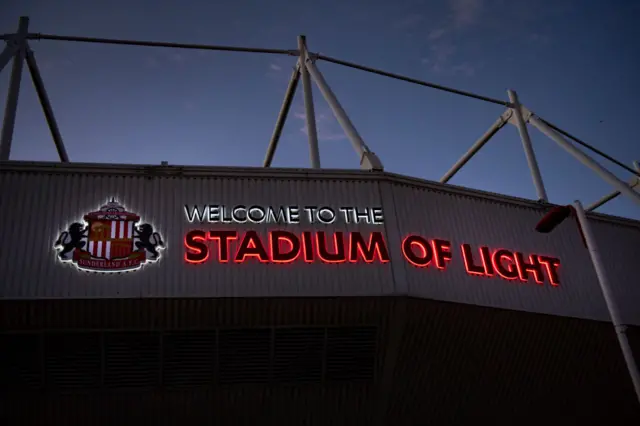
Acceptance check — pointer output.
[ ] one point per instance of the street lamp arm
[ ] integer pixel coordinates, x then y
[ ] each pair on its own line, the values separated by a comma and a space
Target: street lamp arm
555, 217
548, 223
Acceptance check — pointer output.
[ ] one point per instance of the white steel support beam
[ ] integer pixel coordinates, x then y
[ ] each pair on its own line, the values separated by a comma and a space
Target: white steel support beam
46, 104
9, 52
590, 148
18, 49
310, 115
520, 123
368, 160
282, 116
495, 127
11, 105
121, 42
635, 181
605, 174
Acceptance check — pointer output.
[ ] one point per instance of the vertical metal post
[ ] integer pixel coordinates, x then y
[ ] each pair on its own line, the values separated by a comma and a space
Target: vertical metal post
46, 105
282, 116
11, 105
605, 174
312, 131
612, 307
528, 148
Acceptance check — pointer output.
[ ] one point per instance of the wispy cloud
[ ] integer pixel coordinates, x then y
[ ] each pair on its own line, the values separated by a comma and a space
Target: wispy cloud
538, 38
279, 72
462, 13
176, 57
170, 56
465, 12
464, 68
440, 56
53, 59
408, 21
151, 62
436, 34
441, 40
442, 60
205, 53
327, 126
49, 64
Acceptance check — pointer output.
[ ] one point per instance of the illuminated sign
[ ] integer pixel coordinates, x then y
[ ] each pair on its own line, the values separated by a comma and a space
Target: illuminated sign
108, 240
280, 246
286, 247
282, 215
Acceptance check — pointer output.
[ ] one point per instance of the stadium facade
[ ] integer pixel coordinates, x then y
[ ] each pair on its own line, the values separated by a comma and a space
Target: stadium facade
190, 295
208, 295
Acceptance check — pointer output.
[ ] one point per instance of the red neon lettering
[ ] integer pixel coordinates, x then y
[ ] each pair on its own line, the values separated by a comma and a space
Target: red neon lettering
307, 246
368, 251
276, 238
413, 242
223, 238
251, 246
287, 247
505, 264
339, 253
441, 252
485, 255
469, 265
510, 265
551, 265
524, 267
197, 250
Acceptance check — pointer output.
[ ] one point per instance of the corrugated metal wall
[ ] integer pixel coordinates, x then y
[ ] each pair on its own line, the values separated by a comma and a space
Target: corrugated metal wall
485, 222
38, 201
37, 207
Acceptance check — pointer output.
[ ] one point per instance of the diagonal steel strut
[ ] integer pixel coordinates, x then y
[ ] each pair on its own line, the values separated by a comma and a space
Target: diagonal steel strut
46, 104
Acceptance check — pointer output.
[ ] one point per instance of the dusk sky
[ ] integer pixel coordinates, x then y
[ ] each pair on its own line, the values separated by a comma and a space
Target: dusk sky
574, 63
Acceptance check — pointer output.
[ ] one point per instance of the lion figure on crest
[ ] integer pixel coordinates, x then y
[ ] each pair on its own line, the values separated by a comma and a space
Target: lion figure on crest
148, 240
71, 239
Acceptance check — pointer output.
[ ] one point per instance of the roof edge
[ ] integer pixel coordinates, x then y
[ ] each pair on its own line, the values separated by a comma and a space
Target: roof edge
151, 171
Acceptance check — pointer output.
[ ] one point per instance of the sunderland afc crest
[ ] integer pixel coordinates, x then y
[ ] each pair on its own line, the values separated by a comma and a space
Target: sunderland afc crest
109, 240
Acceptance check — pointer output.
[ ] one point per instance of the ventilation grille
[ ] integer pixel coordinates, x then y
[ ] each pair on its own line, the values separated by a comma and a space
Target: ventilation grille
351, 353
299, 355
245, 355
189, 358
72, 361
132, 360
177, 359
20, 362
